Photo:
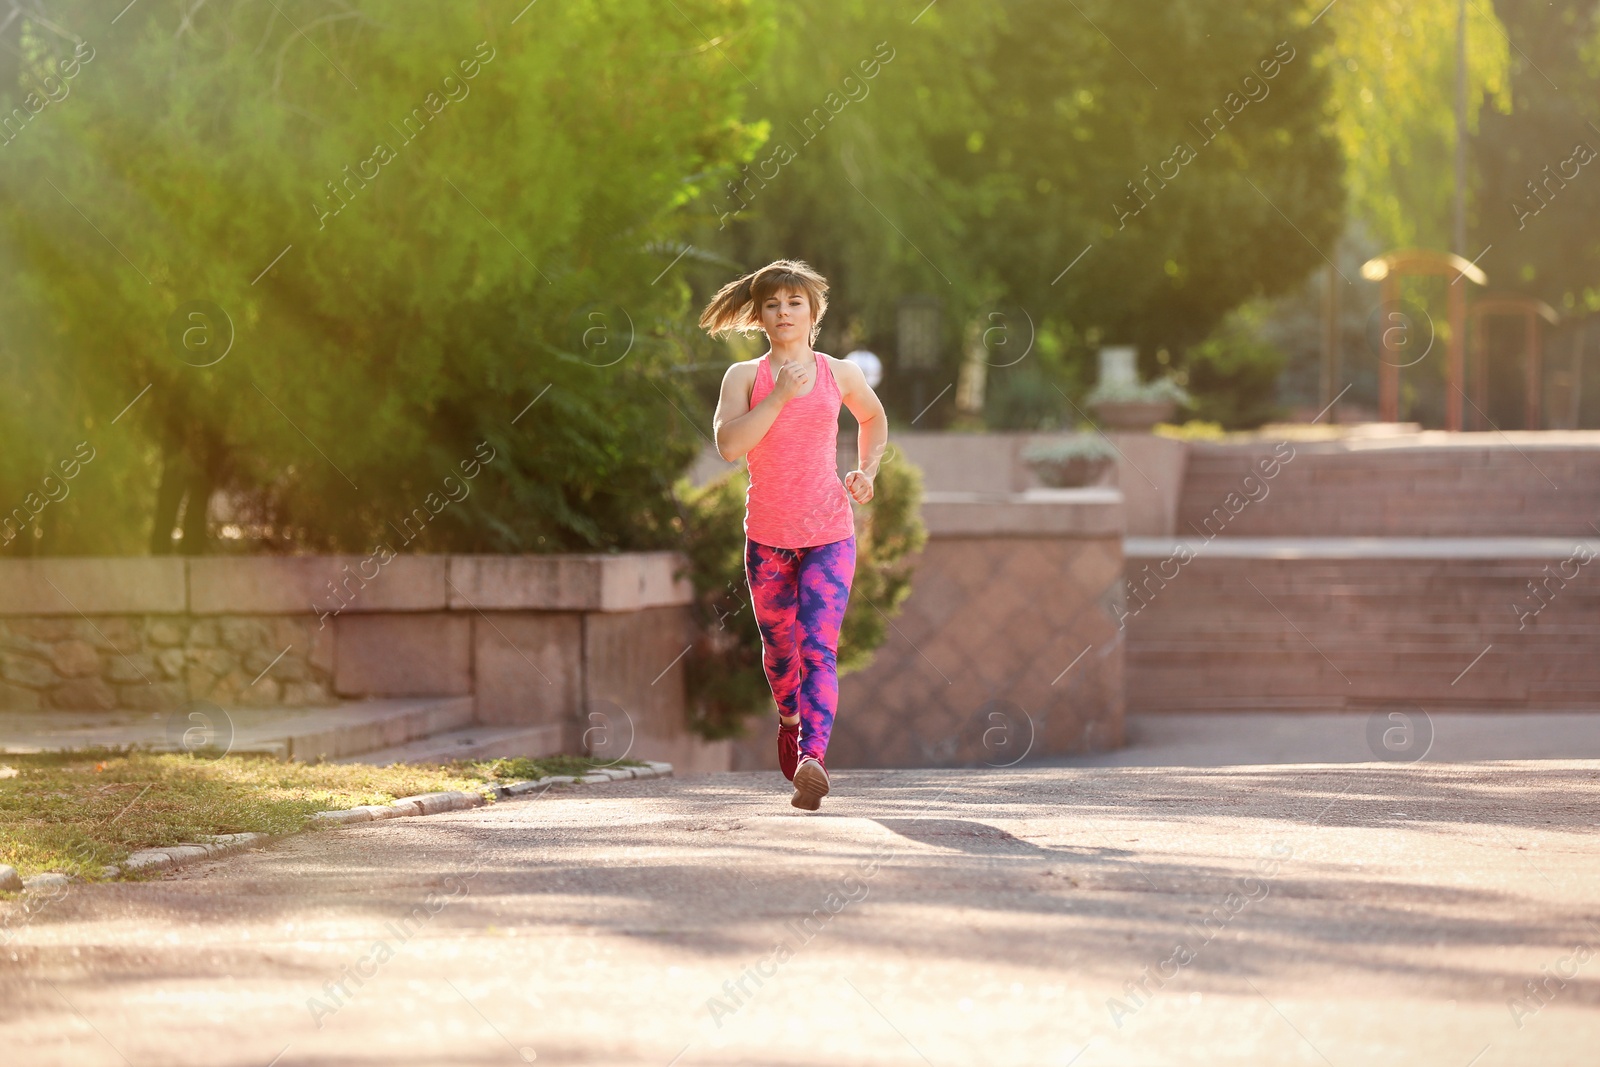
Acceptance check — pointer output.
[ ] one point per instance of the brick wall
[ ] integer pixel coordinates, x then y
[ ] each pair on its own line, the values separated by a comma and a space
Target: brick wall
975, 670
1487, 487
1446, 632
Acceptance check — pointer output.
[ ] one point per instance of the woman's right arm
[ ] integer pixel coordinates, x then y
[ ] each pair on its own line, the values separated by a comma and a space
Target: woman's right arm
737, 426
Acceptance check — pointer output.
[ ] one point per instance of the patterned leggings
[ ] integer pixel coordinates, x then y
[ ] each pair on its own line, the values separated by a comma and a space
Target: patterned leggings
799, 595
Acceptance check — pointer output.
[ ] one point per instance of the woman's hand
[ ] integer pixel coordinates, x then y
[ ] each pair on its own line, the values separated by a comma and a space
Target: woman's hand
790, 380
859, 485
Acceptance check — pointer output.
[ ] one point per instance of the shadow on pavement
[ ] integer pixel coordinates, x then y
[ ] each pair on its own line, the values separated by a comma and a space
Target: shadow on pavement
983, 839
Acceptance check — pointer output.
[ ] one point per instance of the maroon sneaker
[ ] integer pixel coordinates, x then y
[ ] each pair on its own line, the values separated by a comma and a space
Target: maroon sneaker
810, 784
788, 748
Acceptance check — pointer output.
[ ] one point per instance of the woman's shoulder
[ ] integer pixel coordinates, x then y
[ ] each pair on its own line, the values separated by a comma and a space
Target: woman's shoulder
745, 368
837, 366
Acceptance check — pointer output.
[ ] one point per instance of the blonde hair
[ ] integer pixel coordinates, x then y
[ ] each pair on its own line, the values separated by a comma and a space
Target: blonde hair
737, 306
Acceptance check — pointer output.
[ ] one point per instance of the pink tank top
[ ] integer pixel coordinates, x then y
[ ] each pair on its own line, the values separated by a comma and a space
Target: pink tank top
796, 499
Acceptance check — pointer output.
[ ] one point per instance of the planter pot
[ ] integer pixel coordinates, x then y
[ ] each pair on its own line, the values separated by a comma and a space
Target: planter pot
1072, 473
1133, 414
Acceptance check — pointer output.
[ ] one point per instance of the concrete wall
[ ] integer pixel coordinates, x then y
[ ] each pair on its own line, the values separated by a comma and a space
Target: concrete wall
1006, 648
1149, 470
584, 642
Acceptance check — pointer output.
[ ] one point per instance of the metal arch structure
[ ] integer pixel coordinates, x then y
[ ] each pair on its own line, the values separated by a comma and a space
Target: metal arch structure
1531, 310
1389, 269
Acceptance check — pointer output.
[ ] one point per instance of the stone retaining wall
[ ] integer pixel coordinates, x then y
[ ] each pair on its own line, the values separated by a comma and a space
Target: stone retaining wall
534, 640
154, 662
1149, 470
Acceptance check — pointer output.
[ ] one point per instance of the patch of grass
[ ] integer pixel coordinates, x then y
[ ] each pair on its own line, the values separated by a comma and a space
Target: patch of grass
510, 770
77, 812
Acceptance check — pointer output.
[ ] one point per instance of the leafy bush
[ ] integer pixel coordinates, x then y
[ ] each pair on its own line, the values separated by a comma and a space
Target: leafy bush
1233, 375
1193, 430
1159, 391
726, 682
890, 533
1061, 449
1070, 462
459, 246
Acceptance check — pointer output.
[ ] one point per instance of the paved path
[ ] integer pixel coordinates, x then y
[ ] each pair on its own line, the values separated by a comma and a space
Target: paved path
1493, 548
1350, 915
1225, 739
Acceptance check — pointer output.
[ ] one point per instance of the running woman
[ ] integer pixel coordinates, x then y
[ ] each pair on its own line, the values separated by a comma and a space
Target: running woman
782, 412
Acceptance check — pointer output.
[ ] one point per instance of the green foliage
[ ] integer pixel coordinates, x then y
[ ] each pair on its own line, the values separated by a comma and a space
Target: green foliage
1233, 375
1003, 142
1193, 430
1158, 391
524, 768
1073, 156
1534, 200
1392, 69
476, 228
1070, 461
890, 537
724, 676
1033, 393
726, 682
857, 101
1061, 449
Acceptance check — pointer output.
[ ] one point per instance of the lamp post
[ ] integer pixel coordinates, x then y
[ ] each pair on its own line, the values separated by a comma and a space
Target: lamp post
1388, 269
1460, 243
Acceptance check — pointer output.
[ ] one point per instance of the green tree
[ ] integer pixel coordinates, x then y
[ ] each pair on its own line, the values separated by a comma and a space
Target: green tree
855, 98
1536, 198
1393, 65
417, 222
1179, 163
1004, 142
1233, 374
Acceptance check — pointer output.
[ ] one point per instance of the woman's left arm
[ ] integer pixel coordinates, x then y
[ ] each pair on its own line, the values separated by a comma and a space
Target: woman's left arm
872, 439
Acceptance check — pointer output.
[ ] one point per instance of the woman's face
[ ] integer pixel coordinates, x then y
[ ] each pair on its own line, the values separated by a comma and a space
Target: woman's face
786, 316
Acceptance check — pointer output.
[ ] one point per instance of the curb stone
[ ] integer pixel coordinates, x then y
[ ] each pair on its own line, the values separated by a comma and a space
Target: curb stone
47, 880
158, 859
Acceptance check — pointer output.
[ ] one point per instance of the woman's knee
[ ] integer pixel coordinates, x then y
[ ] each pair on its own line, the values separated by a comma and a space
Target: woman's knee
816, 655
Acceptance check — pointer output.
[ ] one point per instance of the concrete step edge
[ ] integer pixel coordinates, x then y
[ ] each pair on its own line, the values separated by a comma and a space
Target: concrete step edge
429, 716
487, 738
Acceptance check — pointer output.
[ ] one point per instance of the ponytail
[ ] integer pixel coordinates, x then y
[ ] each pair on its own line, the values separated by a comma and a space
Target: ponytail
730, 310
737, 306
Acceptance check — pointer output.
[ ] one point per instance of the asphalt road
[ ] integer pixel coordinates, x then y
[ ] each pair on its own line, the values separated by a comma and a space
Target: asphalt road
1359, 915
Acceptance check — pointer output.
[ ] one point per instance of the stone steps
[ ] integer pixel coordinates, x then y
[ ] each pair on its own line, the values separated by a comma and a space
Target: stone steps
1477, 486
287, 733
473, 742
1341, 629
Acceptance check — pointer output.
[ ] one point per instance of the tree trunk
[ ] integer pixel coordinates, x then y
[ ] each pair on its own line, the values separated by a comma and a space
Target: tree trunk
199, 485
174, 475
